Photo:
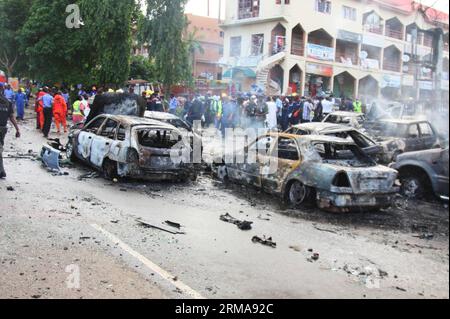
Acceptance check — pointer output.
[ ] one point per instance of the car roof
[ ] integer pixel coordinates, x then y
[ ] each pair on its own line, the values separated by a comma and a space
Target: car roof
160, 115
403, 121
348, 114
314, 138
136, 121
320, 127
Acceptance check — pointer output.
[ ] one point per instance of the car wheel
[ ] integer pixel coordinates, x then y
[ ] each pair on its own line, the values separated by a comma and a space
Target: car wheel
110, 169
70, 151
297, 194
413, 186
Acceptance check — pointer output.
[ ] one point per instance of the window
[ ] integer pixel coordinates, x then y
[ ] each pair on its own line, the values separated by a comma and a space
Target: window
287, 149
413, 131
248, 9
109, 129
93, 126
426, 130
160, 139
121, 133
257, 44
280, 1
221, 51
222, 34
235, 46
349, 13
323, 6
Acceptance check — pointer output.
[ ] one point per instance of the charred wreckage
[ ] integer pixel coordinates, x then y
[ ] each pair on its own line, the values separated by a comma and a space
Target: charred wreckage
339, 167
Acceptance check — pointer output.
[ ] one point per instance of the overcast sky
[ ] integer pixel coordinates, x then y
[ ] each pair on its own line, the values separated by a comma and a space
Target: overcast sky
200, 7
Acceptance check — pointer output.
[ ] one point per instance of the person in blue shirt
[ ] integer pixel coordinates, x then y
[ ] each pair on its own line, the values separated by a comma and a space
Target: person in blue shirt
47, 101
173, 104
9, 93
21, 100
230, 109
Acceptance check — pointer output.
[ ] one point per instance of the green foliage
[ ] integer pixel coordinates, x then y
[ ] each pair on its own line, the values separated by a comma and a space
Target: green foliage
163, 29
141, 68
98, 52
13, 14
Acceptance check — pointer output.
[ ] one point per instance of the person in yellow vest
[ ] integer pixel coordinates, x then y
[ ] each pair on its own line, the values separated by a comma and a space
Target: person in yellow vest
357, 106
77, 113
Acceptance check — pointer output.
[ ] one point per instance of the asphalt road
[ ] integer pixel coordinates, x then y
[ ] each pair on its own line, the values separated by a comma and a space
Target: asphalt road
61, 237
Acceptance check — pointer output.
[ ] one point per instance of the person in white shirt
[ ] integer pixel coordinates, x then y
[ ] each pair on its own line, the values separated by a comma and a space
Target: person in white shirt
308, 107
272, 115
327, 106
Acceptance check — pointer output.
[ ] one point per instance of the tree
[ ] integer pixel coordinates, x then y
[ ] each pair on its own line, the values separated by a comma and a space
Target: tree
13, 14
142, 68
194, 46
98, 52
163, 29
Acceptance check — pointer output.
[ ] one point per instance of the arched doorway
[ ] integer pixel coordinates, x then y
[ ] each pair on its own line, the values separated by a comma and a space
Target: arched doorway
368, 89
392, 59
394, 29
344, 85
276, 79
295, 80
278, 43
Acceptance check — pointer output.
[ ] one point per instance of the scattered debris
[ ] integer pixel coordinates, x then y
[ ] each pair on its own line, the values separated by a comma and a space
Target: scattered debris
425, 236
89, 175
262, 218
147, 225
242, 225
264, 241
115, 221
10, 189
325, 230
295, 248
172, 224
401, 289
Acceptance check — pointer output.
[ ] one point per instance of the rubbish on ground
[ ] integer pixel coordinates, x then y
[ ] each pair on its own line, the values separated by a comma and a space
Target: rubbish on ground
147, 225
88, 175
262, 218
295, 248
264, 241
172, 224
10, 189
425, 236
242, 225
50, 157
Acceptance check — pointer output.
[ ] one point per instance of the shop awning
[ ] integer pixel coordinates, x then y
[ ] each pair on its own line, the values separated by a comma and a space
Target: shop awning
246, 71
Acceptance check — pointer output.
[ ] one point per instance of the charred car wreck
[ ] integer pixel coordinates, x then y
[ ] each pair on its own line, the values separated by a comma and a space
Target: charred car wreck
126, 146
334, 172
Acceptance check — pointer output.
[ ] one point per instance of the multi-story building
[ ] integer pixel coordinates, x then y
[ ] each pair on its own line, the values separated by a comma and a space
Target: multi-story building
207, 32
355, 48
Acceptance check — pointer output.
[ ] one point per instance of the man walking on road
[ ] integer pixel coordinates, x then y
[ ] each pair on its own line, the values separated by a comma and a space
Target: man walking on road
6, 113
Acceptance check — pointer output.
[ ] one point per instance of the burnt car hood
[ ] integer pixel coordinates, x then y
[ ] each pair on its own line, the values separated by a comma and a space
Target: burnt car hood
426, 155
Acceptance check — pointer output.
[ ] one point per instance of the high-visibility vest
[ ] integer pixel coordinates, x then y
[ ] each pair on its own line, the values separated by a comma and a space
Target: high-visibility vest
76, 108
357, 106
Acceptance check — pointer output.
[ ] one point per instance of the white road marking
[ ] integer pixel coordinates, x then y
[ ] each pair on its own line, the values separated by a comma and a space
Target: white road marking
149, 264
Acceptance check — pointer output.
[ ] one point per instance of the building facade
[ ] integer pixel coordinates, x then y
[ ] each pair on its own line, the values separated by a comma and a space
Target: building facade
356, 48
209, 35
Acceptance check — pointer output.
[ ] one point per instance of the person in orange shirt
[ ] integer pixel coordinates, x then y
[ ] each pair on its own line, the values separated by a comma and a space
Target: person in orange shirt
39, 108
60, 112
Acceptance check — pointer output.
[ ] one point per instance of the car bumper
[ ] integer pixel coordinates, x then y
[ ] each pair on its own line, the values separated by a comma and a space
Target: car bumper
348, 202
149, 174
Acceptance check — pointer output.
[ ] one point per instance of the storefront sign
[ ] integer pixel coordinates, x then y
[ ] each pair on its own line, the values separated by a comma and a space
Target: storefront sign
391, 81
349, 36
370, 64
319, 69
373, 40
426, 85
320, 52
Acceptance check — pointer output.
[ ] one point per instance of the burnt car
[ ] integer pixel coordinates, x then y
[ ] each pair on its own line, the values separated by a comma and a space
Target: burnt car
424, 172
372, 148
404, 135
352, 119
334, 172
128, 146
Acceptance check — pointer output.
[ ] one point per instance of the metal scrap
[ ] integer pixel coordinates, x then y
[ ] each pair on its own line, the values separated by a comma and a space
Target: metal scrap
147, 225
242, 225
264, 241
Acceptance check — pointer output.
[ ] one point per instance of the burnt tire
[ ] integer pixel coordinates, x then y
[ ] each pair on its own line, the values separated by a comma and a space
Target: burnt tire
70, 151
110, 169
297, 194
414, 186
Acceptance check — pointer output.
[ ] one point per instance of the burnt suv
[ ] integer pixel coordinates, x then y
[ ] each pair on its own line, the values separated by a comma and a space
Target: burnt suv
128, 146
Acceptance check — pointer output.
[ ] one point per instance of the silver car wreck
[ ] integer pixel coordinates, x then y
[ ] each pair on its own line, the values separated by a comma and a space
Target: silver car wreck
126, 146
334, 172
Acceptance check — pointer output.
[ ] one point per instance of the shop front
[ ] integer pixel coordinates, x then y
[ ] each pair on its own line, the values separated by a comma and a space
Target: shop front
318, 79
344, 85
391, 87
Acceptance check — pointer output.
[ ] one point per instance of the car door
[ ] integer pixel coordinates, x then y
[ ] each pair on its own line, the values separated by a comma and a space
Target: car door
86, 137
248, 172
102, 142
283, 159
413, 141
441, 167
427, 135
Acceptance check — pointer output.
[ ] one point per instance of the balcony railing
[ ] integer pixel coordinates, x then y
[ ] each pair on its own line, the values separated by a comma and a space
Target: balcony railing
377, 29
393, 33
391, 66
